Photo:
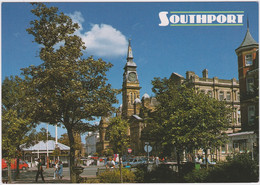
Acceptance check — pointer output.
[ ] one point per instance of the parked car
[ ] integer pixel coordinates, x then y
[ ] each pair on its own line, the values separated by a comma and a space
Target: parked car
127, 162
22, 165
137, 161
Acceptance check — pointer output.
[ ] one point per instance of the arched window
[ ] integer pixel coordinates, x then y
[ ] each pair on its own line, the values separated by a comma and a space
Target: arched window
131, 95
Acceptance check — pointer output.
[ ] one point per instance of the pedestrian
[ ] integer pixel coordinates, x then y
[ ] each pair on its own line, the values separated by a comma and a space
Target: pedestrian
110, 163
157, 161
40, 170
60, 168
56, 168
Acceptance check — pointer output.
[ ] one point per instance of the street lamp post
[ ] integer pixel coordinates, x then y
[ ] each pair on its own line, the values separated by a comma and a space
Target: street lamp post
47, 147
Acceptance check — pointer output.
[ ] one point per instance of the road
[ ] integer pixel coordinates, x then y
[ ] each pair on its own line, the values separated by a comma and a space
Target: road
28, 176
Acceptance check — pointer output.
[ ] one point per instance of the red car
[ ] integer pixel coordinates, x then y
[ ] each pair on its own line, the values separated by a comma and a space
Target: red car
22, 165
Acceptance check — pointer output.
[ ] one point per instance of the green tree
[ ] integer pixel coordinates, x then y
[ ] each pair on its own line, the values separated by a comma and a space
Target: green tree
67, 89
16, 123
64, 139
185, 119
42, 135
117, 134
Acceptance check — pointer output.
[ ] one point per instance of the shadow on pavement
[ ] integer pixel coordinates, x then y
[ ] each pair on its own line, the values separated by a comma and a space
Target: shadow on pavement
28, 177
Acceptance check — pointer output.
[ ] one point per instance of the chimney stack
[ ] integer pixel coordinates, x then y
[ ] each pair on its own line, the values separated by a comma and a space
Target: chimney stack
205, 73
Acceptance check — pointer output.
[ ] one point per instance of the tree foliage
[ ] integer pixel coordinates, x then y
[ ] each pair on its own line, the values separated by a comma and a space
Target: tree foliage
67, 88
117, 134
64, 139
16, 123
42, 135
186, 119
14, 117
14, 131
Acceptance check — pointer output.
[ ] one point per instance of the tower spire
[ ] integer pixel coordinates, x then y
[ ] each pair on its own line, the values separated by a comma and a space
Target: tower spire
248, 41
247, 22
129, 52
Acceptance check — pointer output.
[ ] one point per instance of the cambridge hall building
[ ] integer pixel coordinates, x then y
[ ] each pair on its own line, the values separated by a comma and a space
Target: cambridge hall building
133, 105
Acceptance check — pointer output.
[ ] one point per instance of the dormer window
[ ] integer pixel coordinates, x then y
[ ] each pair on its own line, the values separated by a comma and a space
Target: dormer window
249, 60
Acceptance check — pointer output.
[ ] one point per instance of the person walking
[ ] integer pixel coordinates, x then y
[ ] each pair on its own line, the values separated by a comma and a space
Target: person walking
56, 168
157, 161
40, 170
110, 163
60, 168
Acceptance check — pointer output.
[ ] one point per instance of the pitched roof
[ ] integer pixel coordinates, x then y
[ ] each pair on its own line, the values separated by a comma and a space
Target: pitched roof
248, 41
43, 146
130, 57
137, 100
145, 96
241, 133
130, 64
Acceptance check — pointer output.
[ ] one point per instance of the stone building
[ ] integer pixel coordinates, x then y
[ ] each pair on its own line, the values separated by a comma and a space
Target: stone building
220, 89
131, 108
246, 140
103, 143
91, 142
229, 90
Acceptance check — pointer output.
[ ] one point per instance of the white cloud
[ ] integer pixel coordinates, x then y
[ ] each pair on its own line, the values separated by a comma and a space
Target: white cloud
102, 40
77, 18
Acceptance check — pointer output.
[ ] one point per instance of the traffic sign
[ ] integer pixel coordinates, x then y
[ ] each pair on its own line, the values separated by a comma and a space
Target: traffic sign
129, 150
148, 148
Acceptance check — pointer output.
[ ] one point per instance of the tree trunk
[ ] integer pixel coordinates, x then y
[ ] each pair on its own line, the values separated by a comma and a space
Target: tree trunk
178, 162
17, 168
206, 158
121, 164
9, 172
73, 178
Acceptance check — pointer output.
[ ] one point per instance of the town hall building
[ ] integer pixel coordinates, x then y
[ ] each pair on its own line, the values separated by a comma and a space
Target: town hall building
133, 105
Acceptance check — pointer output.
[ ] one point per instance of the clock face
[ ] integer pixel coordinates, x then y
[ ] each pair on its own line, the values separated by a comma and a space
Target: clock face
132, 77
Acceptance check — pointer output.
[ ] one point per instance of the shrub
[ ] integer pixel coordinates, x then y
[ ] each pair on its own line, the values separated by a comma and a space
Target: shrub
92, 180
140, 173
187, 167
113, 176
240, 168
160, 174
196, 176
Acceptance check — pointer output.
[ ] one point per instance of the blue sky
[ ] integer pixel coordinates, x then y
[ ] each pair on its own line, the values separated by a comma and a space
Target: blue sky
158, 51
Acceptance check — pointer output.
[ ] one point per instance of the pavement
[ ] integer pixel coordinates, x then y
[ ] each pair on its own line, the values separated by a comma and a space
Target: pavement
28, 176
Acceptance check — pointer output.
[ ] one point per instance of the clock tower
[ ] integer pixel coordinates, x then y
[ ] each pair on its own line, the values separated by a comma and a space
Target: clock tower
131, 88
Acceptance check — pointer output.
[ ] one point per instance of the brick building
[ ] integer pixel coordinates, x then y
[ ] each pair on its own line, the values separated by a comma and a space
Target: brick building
248, 69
